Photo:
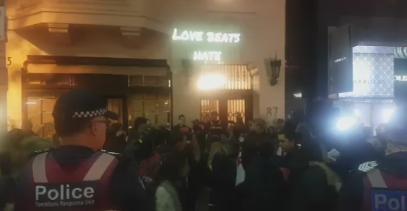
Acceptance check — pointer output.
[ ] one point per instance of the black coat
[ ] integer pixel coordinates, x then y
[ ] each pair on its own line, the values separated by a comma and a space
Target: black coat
312, 191
223, 182
263, 188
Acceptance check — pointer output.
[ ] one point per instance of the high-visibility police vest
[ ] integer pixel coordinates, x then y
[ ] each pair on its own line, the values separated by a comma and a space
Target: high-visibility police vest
384, 192
83, 187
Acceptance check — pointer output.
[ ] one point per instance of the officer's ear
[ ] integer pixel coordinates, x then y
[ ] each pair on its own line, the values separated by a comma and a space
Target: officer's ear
93, 129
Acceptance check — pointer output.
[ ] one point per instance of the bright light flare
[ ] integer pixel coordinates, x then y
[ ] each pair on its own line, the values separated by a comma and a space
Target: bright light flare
211, 82
346, 123
298, 95
357, 112
387, 115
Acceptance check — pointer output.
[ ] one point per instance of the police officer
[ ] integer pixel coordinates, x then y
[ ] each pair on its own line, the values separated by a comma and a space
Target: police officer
382, 184
77, 175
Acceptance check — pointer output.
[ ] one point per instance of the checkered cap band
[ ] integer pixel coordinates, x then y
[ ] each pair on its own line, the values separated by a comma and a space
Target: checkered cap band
89, 114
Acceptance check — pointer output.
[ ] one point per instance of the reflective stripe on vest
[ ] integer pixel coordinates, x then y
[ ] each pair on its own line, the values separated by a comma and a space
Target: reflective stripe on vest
99, 167
95, 173
39, 168
376, 179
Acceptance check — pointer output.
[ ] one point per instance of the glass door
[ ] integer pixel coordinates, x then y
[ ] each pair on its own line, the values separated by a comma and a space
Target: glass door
39, 115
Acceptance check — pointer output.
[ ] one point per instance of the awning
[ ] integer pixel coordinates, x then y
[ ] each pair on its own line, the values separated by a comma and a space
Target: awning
97, 69
96, 65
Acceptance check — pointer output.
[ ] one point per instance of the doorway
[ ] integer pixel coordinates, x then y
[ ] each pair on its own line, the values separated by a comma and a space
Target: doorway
229, 107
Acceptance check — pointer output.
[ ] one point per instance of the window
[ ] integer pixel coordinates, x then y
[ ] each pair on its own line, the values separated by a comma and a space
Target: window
39, 113
154, 107
236, 110
238, 77
148, 81
207, 107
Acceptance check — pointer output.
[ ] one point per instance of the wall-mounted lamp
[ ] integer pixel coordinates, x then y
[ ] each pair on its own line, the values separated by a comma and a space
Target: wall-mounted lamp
273, 67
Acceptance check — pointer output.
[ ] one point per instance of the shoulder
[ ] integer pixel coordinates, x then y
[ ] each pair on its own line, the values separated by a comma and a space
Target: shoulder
37, 152
367, 166
113, 154
314, 174
109, 157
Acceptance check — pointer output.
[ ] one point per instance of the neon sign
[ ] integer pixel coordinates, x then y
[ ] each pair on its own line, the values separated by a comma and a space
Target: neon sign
208, 37
213, 56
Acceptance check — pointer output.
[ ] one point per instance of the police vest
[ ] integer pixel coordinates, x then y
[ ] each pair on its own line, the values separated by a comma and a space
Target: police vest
384, 192
83, 187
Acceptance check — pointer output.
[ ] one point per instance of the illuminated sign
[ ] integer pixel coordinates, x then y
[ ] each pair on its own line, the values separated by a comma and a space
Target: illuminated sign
214, 56
402, 78
202, 36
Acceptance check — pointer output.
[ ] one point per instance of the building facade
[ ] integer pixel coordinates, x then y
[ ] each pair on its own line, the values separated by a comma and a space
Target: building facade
151, 58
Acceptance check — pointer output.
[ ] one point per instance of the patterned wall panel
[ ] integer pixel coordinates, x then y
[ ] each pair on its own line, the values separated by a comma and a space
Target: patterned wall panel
373, 75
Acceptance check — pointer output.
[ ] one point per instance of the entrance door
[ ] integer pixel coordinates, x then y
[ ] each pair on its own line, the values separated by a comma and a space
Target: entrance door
39, 115
236, 110
228, 109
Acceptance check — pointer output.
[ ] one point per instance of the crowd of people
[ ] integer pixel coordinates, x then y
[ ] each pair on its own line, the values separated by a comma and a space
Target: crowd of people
294, 164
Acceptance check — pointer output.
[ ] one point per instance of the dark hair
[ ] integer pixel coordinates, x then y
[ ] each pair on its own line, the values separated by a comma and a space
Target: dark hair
312, 150
68, 127
181, 116
289, 132
115, 127
87, 104
139, 121
171, 166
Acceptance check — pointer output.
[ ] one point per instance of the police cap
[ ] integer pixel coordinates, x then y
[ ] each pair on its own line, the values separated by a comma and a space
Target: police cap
77, 106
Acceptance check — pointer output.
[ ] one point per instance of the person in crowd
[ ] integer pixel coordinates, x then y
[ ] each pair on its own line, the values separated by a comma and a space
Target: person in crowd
239, 119
139, 128
263, 186
76, 174
381, 184
317, 185
167, 197
150, 158
137, 148
28, 128
279, 124
257, 134
190, 181
198, 128
11, 152
18, 147
222, 165
378, 141
6, 182
240, 128
215, 125
116, 138
291, 157
182, 128
354, 149
4, 190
